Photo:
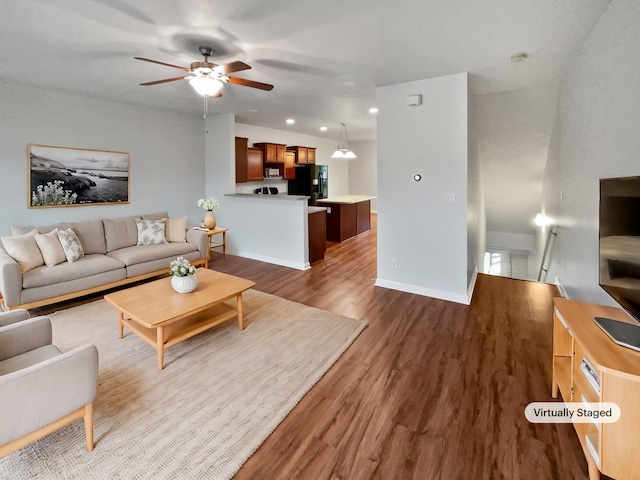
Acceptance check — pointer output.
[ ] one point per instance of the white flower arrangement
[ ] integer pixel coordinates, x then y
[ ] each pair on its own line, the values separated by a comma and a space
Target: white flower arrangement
180, 267
209, 204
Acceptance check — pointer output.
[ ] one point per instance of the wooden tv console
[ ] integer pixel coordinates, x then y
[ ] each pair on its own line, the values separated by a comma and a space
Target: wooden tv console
610, 448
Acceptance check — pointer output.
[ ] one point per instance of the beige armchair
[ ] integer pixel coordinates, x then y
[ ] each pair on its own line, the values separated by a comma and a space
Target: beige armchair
41, 388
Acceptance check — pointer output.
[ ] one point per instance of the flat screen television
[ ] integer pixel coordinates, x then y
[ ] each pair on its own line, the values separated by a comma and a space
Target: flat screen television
619, 234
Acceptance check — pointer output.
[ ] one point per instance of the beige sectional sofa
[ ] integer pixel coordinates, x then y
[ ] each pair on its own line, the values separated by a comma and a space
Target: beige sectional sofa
111, 258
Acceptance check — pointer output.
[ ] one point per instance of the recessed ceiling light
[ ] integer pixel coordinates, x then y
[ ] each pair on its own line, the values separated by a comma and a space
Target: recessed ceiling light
324, 129
373, 110
519, 57
290, 121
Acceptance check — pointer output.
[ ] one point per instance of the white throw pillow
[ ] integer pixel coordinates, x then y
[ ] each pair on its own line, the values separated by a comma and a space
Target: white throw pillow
51, 248
24, 250
176, 229
71, 245
150, 232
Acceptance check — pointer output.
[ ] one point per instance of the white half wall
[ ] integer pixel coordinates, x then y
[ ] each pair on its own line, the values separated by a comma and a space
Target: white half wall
422, 226
595, 135
166, 151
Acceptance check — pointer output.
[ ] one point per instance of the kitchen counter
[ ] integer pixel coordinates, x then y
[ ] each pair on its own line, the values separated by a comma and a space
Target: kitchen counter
347, 199
317, 209
279, 196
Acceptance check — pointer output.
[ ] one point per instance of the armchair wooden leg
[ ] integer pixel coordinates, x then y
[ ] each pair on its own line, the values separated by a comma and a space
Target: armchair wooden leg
88, 426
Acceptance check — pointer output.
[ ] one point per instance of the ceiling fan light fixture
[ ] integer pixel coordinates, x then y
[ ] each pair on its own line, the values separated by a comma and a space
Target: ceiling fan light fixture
206, 86
343, 150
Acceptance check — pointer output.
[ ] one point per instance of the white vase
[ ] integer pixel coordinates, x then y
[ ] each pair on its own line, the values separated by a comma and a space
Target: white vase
184, 284
209, 220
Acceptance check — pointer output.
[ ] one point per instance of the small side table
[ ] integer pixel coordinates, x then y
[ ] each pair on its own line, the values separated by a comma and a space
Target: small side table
212, 244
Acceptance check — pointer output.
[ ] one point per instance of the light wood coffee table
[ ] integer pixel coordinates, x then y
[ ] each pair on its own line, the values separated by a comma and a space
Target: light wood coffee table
162, 317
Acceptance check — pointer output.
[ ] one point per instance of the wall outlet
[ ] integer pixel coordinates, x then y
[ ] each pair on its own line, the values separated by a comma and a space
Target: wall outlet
450, 197
394, 263
328, 210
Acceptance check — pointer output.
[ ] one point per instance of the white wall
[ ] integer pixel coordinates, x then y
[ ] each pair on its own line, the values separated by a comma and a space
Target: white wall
595, 136
417, 227
363, 171
166, 151
338, 168
476, 210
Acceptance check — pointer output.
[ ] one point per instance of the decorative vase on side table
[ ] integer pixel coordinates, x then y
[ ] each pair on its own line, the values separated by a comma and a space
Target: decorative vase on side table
184, 284
209, 219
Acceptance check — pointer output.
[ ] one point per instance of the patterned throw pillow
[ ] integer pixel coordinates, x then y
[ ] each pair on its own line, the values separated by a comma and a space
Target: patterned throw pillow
150, 232
71, 245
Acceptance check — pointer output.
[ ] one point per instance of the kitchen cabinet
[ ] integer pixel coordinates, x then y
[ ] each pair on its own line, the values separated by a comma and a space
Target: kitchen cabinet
254, 164
248, 162
289, 165
273, 152
241, 159
303, 155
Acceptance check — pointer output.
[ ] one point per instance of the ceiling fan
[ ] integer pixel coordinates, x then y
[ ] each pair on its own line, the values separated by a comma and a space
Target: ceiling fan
208, 78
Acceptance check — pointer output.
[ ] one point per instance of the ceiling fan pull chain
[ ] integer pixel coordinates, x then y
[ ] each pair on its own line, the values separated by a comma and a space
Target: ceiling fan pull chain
205, 108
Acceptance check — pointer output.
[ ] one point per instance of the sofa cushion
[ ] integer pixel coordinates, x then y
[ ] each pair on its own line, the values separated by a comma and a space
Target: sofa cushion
155, 216
91, 236
175, 229
71, 245
86, 266
24, 250
51, 248
120, 232
147, 253
32, 357
150, 232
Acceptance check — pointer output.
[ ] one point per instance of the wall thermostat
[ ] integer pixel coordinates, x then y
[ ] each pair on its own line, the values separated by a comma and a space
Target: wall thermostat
414, 100
417, 177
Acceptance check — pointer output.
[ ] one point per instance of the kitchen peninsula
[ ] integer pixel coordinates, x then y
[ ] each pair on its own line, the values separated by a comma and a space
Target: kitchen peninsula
347, 216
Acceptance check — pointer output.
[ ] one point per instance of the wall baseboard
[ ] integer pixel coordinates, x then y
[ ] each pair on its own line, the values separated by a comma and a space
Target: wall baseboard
472, 285
426, 292
273, 260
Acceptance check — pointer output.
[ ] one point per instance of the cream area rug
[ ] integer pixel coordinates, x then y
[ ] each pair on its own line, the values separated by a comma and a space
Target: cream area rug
220, 395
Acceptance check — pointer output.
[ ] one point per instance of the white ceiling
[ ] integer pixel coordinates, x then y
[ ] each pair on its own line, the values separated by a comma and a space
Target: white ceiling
325, 58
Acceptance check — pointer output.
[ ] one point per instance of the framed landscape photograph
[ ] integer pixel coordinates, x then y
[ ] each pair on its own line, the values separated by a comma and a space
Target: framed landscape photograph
65, 177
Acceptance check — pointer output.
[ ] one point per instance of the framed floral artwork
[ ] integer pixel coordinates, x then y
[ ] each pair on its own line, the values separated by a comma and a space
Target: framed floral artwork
64, 177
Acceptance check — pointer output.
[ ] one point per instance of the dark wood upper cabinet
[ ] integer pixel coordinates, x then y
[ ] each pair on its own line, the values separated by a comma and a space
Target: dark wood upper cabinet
303, 155
241, 159
273, 152
254, 164
289, 165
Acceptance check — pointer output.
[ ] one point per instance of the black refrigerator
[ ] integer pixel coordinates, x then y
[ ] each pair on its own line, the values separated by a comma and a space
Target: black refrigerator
312, 181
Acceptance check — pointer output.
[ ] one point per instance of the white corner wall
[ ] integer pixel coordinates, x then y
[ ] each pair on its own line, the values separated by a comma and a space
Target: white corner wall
166, 151
363, 171
595, 136
420, 229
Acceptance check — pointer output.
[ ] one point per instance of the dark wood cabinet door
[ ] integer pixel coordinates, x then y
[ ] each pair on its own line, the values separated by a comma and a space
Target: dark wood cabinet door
241, 159
254, 164
270, 153
363, 216
317, 236
289, 165
311, 155
280, 151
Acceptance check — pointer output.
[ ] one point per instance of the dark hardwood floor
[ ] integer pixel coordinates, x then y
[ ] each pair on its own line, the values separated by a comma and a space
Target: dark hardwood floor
430, 390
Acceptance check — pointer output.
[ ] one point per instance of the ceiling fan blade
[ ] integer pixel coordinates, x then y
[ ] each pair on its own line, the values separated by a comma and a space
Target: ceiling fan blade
162, 63
250, 83
166, 80
231, 67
